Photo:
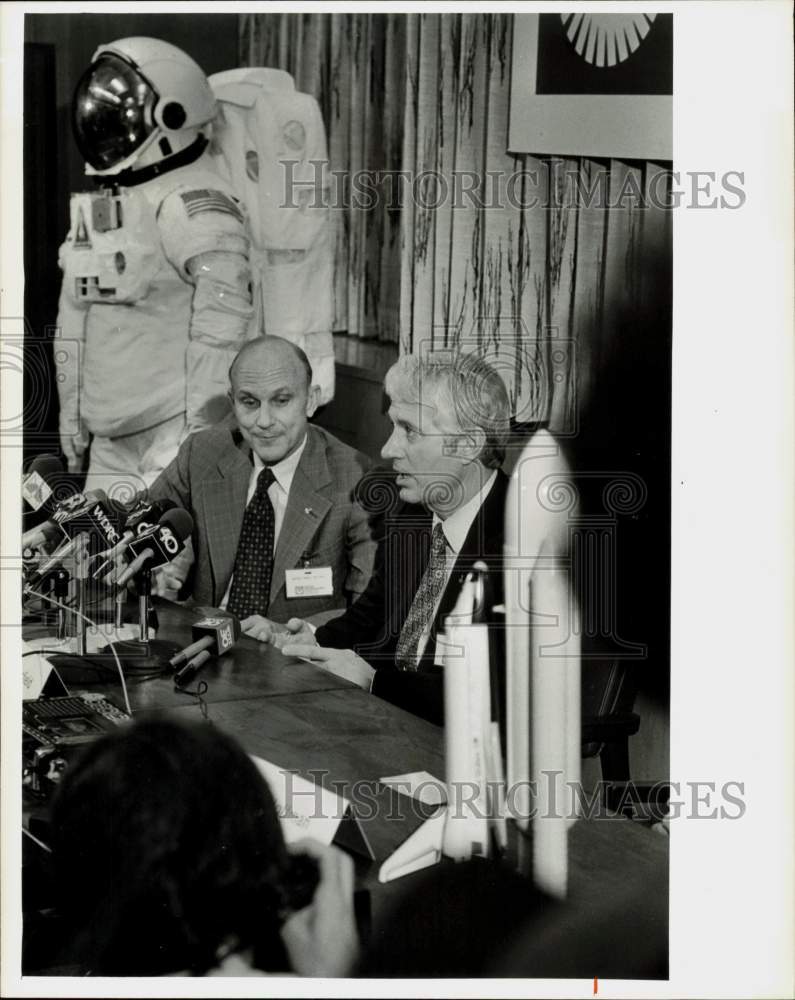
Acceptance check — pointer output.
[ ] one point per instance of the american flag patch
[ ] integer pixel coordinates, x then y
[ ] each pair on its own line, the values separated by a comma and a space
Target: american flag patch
204, 200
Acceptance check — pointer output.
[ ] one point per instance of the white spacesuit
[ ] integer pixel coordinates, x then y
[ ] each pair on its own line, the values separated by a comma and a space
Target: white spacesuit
156, 296
269, 142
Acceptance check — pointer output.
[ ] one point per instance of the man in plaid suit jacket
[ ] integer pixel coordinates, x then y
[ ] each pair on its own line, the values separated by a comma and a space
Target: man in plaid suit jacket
318, 522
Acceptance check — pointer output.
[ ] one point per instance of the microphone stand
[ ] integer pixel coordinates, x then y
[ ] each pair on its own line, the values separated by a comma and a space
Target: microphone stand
144, 654
59, 590
80, 577
120, 604
144, 584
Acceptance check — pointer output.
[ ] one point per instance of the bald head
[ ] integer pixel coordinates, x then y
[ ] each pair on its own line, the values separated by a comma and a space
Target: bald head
270, 354
272, 396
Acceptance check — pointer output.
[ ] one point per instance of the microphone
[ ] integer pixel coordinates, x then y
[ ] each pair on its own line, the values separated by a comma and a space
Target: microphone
217, 635
158, 545
64, 551
82, 519
147, 514
37, 488
191, 668
144, 516
44, 489
42, 533
93, 517
77, 512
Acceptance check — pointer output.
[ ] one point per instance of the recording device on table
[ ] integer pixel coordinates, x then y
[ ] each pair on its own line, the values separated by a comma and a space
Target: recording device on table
55, 729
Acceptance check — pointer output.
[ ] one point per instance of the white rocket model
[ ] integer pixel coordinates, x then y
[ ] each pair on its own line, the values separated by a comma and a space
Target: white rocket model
542, 658
473, 761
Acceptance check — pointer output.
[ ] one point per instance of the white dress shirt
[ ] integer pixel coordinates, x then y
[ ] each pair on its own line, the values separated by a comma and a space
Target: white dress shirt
455, 528
278, 491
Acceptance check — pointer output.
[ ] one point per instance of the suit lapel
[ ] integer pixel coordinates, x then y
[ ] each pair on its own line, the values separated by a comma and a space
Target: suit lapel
224, 501
307, 506
484, 541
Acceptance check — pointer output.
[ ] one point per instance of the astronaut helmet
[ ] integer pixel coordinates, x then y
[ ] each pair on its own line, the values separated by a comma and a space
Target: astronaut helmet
140, 102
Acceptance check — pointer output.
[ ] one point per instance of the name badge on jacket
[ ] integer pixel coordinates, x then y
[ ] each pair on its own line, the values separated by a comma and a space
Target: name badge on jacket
309, 581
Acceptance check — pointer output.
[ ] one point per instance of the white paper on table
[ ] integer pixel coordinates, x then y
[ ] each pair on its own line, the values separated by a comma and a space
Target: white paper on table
420, 785
305, 808
35, 671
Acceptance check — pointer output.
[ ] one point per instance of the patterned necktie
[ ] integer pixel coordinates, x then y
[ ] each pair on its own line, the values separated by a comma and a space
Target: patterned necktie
424, 603
251, 582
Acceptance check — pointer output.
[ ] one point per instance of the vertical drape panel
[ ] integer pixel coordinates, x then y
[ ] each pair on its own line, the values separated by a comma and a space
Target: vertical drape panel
421, 183
387, 255
408, 269
358, 42
471, 245
528, 290
586, 318
446, 56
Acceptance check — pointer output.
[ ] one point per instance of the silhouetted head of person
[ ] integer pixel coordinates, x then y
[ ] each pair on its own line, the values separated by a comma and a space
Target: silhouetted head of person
168, 852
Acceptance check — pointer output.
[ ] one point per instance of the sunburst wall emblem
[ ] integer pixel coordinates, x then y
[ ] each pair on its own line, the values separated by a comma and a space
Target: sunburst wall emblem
606, 39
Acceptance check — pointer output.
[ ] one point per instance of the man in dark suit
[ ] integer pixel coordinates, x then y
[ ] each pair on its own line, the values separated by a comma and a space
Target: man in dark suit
277, 531
450, 421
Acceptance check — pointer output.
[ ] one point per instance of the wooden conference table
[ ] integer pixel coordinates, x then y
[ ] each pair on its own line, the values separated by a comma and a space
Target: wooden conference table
304, 719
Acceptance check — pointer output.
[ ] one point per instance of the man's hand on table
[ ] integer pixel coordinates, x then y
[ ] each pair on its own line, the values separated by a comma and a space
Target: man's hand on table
295, 631
265, 630
261, 628
341, 662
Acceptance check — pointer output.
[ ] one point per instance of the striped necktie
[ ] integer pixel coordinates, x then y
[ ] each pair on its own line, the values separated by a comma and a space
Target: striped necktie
424, 604
251, 582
